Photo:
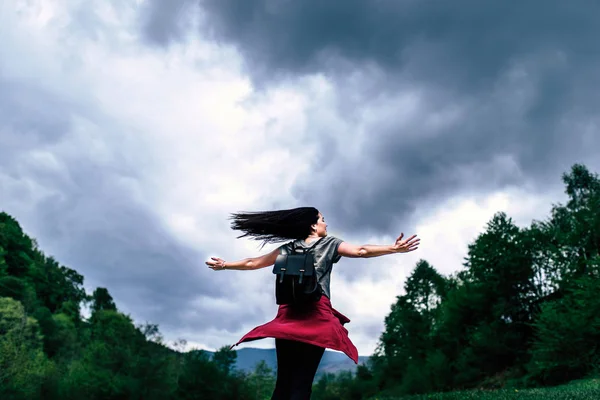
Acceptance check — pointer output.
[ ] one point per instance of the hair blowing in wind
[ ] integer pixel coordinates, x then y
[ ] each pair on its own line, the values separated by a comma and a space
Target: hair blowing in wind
275, 226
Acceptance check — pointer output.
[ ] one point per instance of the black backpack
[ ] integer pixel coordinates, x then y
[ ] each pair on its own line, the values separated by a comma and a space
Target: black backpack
296, 279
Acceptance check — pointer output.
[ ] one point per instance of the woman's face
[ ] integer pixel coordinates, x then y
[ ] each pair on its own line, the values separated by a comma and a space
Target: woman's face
321, 227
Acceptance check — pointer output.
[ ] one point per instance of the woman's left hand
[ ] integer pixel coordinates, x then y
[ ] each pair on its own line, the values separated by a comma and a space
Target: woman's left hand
406, 245
216, 264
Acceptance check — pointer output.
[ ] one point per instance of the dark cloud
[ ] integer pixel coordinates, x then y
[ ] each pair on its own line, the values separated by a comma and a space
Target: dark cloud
470, 40
88, 215
522, 72
166, 21
405, 167
22, 108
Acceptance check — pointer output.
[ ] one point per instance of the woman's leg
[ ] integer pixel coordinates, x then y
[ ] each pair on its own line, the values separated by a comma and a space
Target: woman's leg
307, 358
297, 364
285, 359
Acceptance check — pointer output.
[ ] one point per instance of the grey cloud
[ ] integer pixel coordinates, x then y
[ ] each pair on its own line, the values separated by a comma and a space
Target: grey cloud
451, 53
468, 41
496, 144
22, 107
163, 22
399, 170
86, 214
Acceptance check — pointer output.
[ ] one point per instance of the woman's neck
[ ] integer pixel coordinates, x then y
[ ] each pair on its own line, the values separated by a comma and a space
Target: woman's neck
311, 238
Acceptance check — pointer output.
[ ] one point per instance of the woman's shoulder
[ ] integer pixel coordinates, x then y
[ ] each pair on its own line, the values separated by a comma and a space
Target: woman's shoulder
289, 246
329, 246
326, 241
329, 243
329, 239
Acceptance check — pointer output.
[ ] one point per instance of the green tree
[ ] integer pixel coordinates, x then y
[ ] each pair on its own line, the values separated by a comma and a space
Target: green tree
261, 382
568, 335
17, 247
567, 329
20, 290
199, 378
569, 241
155, 365
225, 359
22, 361
102, 300
407, 338
3, 265
485, 324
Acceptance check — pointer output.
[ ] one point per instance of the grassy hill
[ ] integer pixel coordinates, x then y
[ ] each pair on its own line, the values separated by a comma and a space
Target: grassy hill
588, 389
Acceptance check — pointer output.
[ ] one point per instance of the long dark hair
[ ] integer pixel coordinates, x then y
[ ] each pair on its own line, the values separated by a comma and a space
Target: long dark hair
275, 226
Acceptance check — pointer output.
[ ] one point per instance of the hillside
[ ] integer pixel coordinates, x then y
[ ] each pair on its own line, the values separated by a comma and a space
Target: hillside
332, 361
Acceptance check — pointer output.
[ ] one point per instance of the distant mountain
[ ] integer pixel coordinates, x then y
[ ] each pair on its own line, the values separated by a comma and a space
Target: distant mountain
332, 361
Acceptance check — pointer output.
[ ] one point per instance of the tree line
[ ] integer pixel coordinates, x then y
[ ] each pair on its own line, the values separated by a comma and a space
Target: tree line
49, 351
523, 310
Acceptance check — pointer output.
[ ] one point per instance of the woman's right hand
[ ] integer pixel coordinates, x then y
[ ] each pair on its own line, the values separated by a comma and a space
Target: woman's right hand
216, 264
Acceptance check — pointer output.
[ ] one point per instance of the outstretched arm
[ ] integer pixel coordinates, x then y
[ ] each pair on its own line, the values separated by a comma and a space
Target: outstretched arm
370, 250
247, 264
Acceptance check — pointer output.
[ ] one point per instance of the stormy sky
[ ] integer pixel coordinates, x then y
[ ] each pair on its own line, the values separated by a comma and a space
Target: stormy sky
130, 129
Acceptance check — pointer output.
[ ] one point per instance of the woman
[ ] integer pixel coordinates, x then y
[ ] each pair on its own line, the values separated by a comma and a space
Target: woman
301, 335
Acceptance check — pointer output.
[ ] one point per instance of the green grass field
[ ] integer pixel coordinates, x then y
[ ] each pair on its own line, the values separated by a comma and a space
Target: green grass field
580, 390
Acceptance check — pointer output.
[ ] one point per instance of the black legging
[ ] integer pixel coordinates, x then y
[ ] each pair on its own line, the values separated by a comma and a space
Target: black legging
297, 364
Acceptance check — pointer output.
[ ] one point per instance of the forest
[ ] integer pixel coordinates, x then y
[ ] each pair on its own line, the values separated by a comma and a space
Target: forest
522, 311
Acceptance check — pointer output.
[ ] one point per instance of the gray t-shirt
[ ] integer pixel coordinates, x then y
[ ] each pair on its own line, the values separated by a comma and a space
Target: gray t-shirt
325, 253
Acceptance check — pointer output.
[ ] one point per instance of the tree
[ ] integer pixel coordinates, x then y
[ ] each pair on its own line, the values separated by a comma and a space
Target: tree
102, 300
407, 338
104, 357
225, 359
22, 361
261, 382
493, 306
572, 233
567, 335
200, 379
16, 245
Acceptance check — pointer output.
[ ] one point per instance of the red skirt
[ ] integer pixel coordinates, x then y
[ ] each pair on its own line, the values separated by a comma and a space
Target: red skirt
320, 325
